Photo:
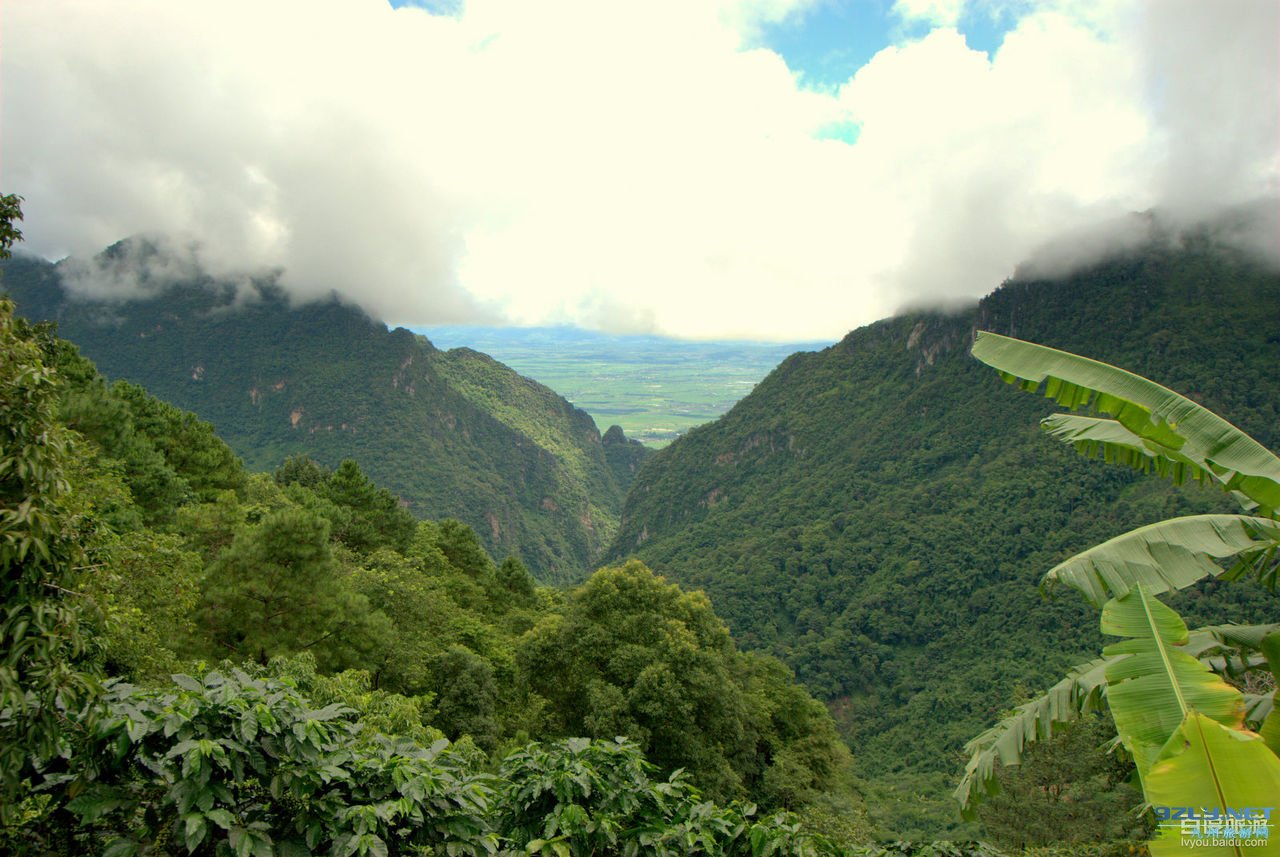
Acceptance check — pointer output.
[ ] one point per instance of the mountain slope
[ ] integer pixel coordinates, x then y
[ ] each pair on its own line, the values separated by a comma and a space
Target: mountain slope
455, 434
879, 513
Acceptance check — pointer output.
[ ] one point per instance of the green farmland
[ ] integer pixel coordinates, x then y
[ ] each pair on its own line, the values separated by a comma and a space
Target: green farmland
655, 388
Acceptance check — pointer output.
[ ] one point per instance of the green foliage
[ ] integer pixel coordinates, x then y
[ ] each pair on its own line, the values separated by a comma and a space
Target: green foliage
94, 411
581, 793
210, 527
515, 579
450, 435
147, 586
339, 607
1176, 437
276, 589
226, 763
1181, 722
868, 516
420, 615
466, 696
1067, 790
362, 515
944, 848
1207, 764
164, 456
381, 712
301, 470
593, 486
447, 637
10, 214
1170, 555
1152, 689
187, 443
625, 455
1152, 427
46, 678
1078, 694
581, 797
461, 547
633, 655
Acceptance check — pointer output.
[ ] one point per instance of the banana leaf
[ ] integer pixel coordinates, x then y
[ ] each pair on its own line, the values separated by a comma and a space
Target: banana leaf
1235, 650
1171, 555
1241, 640
1225, 650
1247, 636
1168, 425
1208, 766
1078, 694
1152, 682
1258, 707
1095, 437
1270, 729
1085, 690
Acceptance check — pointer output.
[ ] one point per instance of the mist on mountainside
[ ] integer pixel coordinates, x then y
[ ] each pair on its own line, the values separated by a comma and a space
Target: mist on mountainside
378, 178
144, 266
1250, 227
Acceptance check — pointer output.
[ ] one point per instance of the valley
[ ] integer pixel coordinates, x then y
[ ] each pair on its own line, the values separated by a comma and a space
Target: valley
799, 428
869, 519
655, 388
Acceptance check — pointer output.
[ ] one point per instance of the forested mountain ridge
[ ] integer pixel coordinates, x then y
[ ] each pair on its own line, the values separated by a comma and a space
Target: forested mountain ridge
197, 657
454, 434
878, 514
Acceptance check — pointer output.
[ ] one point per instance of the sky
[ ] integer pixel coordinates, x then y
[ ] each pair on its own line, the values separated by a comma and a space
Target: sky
763, 169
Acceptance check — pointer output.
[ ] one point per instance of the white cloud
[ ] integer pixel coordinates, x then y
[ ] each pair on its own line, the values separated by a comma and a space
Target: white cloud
630, 166
939, 13
1219, 118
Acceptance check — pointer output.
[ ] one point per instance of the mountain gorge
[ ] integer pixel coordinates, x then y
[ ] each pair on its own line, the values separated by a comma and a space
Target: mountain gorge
878, 514
196, 656
454, 434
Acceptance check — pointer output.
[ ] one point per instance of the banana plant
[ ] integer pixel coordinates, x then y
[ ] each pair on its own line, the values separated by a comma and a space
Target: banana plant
1224, 650
1147, 426
1187, 729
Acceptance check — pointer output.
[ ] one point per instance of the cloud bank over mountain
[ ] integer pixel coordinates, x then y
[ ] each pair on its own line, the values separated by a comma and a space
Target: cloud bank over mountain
630, 167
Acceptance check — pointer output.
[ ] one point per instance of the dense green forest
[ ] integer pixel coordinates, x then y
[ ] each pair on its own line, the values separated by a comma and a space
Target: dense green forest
201, 659
340, 671
1194, 710
878, 514
453, 434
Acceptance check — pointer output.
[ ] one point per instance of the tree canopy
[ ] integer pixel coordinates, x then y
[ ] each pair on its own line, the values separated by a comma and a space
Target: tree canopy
1183, 724
878, 514
199, 659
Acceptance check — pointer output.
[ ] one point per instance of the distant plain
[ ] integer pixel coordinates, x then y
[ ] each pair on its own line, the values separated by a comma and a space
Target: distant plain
656, 388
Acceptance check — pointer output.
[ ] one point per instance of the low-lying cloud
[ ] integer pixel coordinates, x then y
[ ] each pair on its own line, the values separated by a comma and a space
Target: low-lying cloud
627, 166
